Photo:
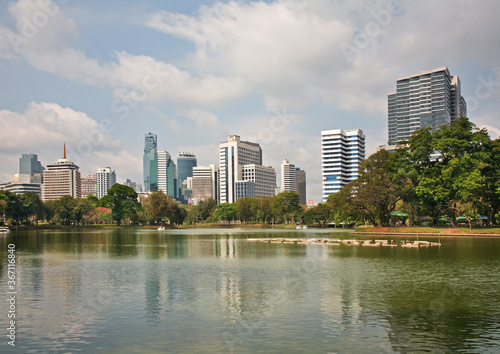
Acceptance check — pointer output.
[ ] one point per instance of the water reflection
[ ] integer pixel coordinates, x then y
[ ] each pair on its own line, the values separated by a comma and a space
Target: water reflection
144, 291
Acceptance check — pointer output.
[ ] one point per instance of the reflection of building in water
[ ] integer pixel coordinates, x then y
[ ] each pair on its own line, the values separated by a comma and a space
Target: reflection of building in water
152, 289
340, 304
225, 246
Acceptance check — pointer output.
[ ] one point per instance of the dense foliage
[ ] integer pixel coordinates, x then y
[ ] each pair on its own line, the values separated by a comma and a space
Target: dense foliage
449, 173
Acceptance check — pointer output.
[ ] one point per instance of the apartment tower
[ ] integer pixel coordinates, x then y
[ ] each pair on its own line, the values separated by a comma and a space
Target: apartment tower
233, 155
427, 99
341, 153
105, 178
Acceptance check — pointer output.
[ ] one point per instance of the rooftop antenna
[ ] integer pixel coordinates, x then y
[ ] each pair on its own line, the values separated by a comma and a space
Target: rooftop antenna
64, 157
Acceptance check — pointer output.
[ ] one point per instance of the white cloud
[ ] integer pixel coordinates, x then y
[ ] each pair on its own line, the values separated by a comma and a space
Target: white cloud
144, 79
202, 118
43, 128
47, 40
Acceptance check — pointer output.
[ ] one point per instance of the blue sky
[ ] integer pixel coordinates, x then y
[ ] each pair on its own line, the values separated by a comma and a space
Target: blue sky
98, 75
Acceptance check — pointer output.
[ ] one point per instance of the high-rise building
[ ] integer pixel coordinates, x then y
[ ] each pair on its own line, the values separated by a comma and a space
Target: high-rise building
300, 185
263, 177
233, 155
89, 186
150, 163
287, 176
244, 189
185, 163
29, 165
167, 175
105, 178
428, 99
341, 153
61, 178
205, 183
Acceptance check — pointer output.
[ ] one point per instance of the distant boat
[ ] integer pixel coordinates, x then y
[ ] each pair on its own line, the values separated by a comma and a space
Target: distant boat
298, 227
161, 228
304, 227
4, 229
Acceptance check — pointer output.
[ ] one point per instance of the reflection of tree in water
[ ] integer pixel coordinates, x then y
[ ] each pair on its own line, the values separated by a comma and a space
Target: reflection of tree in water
439, 319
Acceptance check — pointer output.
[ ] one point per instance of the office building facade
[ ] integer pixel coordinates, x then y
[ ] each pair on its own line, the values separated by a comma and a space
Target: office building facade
233, 155
105, 178
263, 177
29, 165
287, 176
167, 175
300, 185
89, 186
427, 99
185, 163
205, 183
341, 153
150, 163
244, 189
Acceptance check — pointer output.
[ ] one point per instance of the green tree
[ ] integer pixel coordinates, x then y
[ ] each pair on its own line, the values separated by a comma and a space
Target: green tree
49, 210
286, 206
33, 206
342, 206
244, 206
262, 210
462, 175
122, 200
375, 191
159, 207
82, 208
64, 209
318, 214
226, 212
206, 207
179, 215
13, 207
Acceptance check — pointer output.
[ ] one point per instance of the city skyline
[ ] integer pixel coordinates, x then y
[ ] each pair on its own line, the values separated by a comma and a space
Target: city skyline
99, 75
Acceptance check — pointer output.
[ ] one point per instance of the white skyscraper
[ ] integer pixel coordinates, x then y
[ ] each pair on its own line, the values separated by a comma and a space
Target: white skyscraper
61, 178
287, 176
341, 153
167, 174
233, 155
105, 178
163, 161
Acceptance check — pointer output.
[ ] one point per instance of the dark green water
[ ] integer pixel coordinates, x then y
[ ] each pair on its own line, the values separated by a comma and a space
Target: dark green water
212, 291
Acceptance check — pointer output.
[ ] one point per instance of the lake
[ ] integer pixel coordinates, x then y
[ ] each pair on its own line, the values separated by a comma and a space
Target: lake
213, 291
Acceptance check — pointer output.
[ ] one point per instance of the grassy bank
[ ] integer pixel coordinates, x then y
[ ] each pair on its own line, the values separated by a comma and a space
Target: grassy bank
431, 230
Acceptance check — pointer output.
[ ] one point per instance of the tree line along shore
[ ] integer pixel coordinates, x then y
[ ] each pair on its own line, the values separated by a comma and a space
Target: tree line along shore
442, 178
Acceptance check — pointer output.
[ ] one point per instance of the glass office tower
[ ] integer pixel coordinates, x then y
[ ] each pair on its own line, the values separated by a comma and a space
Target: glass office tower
150, 163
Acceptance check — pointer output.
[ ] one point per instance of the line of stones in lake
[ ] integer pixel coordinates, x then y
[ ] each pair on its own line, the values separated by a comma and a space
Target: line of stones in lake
332, 242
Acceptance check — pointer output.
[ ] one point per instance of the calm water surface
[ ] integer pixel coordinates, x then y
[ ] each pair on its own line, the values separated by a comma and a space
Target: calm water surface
211, 291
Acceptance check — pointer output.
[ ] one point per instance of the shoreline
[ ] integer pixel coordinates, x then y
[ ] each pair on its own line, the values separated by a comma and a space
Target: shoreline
423, 234
404, 232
